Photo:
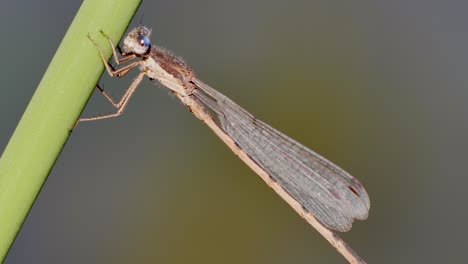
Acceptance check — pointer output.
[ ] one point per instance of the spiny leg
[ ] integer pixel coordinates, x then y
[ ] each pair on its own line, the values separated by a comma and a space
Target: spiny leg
110, 70
108, 97
126, 57
122, 103
127, 93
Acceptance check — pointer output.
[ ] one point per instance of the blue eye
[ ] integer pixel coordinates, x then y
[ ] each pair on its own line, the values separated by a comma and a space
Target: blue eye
144, 41
143, 45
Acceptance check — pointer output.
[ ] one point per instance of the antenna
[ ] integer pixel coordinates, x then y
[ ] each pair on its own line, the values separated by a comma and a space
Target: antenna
141, 19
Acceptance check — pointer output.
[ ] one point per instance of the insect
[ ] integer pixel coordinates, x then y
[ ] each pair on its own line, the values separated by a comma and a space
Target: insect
315, 187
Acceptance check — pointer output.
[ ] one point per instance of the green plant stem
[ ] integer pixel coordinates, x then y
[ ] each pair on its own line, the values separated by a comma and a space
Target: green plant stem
57, 103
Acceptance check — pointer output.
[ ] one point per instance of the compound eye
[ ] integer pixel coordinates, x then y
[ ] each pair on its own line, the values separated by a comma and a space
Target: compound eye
144, 44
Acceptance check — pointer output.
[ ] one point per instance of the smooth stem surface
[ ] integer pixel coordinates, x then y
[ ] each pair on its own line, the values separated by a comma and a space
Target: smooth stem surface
57, 103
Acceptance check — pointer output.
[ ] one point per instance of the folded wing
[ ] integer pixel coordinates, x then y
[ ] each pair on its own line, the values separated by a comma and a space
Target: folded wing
332, 195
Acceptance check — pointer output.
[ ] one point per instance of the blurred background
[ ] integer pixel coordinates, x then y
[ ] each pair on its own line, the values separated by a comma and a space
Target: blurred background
378, 87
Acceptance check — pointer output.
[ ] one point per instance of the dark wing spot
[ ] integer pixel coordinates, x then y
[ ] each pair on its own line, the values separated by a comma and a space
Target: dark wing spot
353, 190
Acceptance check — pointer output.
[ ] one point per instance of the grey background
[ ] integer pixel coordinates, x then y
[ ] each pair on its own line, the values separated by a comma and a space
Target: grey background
379, 87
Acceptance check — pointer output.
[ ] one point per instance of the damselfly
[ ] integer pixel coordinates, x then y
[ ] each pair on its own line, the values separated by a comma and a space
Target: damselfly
315, 187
